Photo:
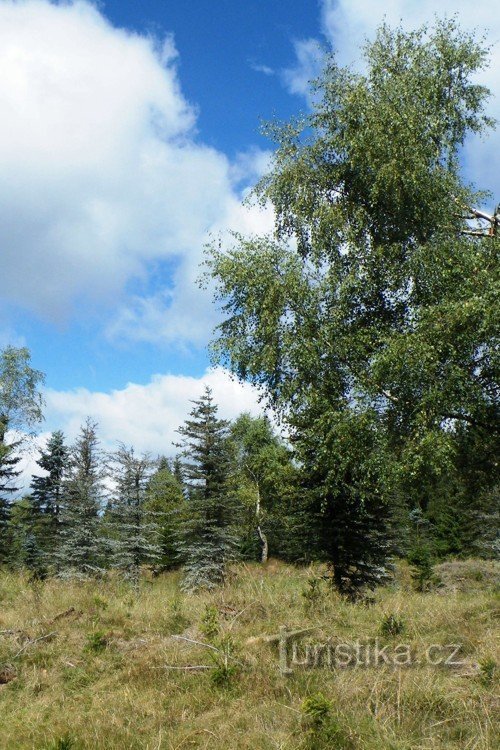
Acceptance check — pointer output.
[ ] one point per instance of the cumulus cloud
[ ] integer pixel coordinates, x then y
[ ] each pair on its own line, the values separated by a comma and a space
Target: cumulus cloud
309, 59
103, 179
147, 416
182, 312
349, 23
8, 337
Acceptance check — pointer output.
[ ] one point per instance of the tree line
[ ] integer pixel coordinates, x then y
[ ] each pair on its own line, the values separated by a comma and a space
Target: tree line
234, 491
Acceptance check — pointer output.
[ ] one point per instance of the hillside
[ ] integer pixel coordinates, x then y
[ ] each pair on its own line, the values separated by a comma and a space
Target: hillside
93, 665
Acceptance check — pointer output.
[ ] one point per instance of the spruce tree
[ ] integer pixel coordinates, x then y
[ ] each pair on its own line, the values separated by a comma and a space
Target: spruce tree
80, 553
47, 491
165, 498
207, 538
134, 527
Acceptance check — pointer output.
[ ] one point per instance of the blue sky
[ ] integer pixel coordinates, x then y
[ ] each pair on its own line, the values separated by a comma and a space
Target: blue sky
129, 135
221, 45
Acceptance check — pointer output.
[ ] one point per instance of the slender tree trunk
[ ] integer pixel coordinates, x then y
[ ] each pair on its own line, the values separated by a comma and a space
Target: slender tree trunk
262, 536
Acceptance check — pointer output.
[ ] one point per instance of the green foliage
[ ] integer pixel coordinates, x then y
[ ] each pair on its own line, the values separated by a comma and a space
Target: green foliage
264, 479
322, 729
208, 540
177, 621
222, 675
312, 594
165, 500
80, 552
488, 671
392, 625
133, 527
20, 399
317, 710
8, 474
370, 318
97, 642
99, 602
33, 559
225, 668
62, 743
421, 560
210, 622
47, 493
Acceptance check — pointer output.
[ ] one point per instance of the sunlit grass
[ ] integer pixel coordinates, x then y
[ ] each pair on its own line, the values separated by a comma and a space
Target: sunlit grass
103, 680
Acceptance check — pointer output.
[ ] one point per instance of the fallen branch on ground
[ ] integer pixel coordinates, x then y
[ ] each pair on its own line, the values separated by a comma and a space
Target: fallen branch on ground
209, 645
33, 641
66, 613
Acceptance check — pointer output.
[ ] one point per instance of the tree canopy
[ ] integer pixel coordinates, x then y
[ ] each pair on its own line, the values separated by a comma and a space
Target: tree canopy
20, 399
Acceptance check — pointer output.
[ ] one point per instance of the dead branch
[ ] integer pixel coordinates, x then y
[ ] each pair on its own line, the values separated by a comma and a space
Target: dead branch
389, 395
475, 213
209, 645
277, 638
240, 613
66, 613
197, 643
32, 642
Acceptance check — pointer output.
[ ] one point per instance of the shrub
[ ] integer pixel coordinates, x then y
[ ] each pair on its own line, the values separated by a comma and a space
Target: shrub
97, 641
392, 625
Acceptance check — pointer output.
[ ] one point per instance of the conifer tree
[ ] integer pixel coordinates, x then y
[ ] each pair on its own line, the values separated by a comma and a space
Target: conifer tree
47, 491
81, 548
20, 409
177, 470
165, 498
207, 539
134, 526
21, 537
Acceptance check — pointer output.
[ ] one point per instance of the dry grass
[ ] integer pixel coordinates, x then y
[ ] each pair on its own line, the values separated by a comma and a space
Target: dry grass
101, 681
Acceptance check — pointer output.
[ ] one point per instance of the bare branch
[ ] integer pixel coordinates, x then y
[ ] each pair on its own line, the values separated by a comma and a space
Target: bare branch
46, 637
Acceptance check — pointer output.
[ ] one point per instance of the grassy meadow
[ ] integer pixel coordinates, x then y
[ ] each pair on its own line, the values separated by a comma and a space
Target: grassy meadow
97, 665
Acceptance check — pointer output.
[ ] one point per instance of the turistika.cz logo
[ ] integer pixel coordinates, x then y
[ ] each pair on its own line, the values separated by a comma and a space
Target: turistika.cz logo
294, 653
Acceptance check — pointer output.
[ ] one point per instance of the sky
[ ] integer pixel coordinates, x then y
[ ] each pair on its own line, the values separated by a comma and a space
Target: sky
129, 135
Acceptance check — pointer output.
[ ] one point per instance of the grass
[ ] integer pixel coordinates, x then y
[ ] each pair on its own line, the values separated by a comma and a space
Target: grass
99, 676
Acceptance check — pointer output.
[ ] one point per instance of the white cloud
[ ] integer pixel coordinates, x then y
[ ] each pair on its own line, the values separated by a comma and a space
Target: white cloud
309, 54
29, 452
265, 69
184, 312
349, 23
147, 416
102, 178
8, 337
